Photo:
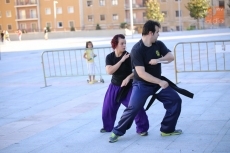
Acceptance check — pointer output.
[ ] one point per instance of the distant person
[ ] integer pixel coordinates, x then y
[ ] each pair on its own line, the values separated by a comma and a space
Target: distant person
89, 56
118, 64
2, 36
19, 32
45, 33
7, 36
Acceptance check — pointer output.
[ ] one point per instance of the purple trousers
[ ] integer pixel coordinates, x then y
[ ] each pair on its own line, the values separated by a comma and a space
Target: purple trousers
110, 108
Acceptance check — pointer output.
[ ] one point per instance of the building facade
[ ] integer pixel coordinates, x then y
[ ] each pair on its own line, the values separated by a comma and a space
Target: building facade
34, 15
60, 15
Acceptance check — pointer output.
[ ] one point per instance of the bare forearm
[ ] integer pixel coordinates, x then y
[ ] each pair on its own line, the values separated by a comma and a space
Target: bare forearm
168, 57
130, 76
111, 69
149, 78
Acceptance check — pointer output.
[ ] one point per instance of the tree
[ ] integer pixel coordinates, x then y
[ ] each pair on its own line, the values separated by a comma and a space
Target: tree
198, 9
98, 27
153, 11
123, 25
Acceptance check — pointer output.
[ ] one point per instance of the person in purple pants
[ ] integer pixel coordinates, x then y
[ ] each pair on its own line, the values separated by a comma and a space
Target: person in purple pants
118, 64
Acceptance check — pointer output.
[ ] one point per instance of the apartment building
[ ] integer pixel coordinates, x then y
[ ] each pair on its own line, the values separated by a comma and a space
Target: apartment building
34, 15
176, 16
60, 15
108, 14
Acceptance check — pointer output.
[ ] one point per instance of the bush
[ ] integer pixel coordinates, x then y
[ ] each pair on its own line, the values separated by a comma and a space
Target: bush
48, 29
123, 25
72, 29
98, 27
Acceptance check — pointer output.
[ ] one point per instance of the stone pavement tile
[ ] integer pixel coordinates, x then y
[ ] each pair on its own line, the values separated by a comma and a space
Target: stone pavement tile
192, 142
214, 113
212, 127
223, 146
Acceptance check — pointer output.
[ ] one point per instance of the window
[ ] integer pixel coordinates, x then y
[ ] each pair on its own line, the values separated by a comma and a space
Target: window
9, 27
144, 14
165, 13
7, 1
0, 27
48, 24
48, 11
178, 14
178, 28
60, 25
89, 3
134, 16
70, 9
165, 29
90, 18
33, 26
115, 17
221, 4
114, 2
8, 14
102, 2
59, 10
102, 17
71, 24
32, 2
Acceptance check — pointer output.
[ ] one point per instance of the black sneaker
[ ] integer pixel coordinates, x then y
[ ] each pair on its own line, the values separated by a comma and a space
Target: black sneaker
176, 132
103, 130
143, 133
113, 138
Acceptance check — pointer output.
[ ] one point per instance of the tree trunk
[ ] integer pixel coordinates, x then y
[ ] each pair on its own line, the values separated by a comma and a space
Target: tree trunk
198, 25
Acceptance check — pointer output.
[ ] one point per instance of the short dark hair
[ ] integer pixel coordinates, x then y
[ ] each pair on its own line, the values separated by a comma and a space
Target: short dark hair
150, 26
88, 42
114, 41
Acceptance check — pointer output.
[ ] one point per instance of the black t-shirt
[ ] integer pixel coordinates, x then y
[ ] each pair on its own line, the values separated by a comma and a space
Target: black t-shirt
123, 71
141, 55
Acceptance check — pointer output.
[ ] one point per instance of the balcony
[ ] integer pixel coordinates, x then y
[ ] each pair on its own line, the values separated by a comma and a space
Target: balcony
137, 21
135, 6
26, 18
26, 3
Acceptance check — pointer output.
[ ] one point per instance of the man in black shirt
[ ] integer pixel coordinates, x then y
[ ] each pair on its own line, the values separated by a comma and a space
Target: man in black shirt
146, 56
118, 64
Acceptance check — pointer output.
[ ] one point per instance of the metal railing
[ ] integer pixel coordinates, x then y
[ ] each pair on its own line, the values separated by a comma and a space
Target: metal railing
70, 62
202, 56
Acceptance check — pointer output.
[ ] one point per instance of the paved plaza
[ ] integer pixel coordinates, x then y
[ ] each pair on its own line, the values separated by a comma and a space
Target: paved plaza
65, 117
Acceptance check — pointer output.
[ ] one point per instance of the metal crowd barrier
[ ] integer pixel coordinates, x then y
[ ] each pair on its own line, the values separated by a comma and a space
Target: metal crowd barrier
70, 62
202, 56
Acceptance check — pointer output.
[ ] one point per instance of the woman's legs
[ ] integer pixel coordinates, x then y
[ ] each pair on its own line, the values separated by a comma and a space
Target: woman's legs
110, 107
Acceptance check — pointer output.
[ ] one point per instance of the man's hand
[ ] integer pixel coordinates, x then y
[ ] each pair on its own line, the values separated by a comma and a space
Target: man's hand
154, 61
163, 84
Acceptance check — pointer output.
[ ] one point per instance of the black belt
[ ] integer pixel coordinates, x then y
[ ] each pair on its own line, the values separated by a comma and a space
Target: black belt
172, 85
124, 91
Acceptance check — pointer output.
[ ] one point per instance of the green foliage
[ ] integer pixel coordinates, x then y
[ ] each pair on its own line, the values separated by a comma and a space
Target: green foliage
153, 11
191, 28
72, 29
123, 25
48, 29
98, 27
198, 9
